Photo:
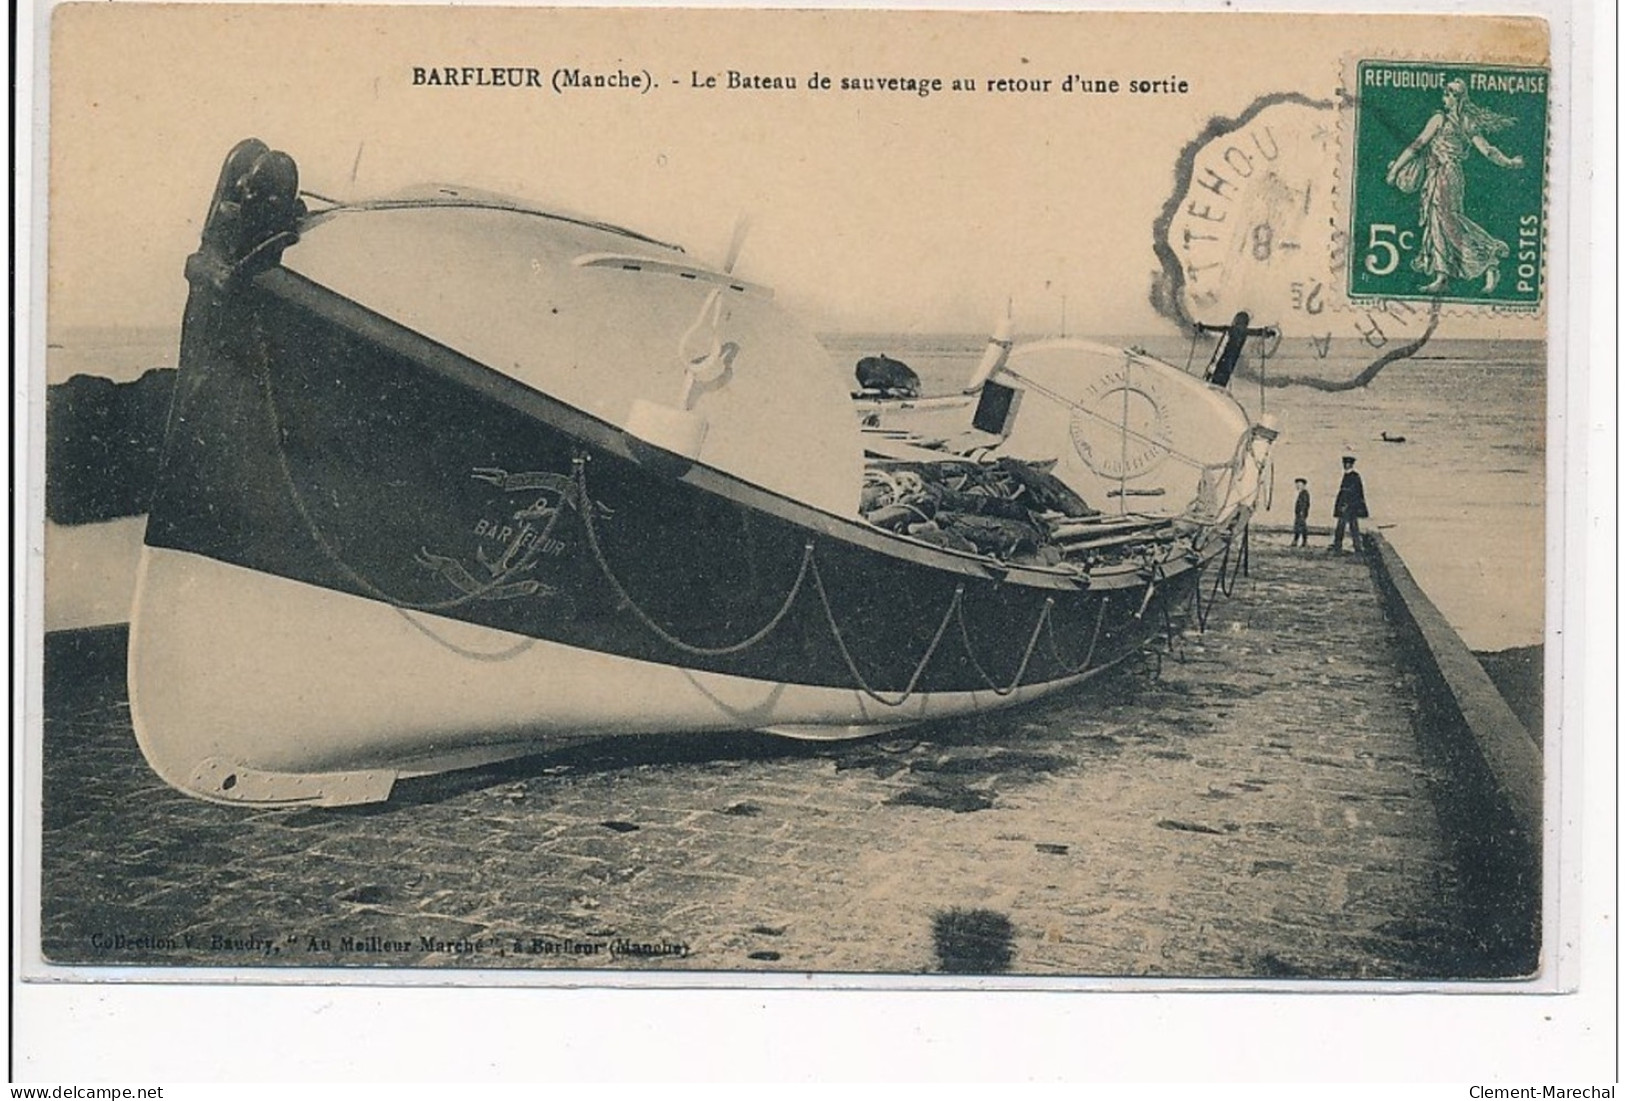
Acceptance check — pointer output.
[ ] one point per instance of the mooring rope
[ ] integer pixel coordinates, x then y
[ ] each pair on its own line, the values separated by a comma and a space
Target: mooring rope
1167, 612
1218, 580
1201, 612
1226, 585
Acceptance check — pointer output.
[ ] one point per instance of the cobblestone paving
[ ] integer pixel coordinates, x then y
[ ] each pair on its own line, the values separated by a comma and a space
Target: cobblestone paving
1261, 808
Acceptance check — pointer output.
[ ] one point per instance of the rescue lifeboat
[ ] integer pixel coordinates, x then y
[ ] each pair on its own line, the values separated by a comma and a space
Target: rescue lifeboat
449, 478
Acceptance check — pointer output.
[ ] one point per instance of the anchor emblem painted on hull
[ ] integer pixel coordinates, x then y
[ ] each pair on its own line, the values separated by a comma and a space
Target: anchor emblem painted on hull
524, 543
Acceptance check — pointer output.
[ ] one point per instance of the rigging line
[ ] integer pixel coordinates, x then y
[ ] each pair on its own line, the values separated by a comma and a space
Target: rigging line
1263, 361
852, 666
334, 556
1227, 585
1238, 571
1201, 612
664, 635
1218, 580
1165, 607
1122, 477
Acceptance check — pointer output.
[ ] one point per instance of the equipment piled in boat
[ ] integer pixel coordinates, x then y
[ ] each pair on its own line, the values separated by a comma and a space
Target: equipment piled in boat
1008, 509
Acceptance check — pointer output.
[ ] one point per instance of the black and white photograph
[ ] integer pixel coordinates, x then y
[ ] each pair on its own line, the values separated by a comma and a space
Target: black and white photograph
1054, 500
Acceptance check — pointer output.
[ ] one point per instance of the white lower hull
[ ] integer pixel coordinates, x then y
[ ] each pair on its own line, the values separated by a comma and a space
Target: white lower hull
251, 688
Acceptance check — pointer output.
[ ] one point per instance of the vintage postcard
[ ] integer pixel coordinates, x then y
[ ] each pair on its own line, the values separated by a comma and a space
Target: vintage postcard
798, 497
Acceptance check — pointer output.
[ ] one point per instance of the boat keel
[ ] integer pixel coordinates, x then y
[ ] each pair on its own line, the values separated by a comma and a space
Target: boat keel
222, 781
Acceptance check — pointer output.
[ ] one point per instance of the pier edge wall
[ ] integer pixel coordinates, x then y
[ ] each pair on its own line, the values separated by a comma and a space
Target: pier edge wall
1492, 801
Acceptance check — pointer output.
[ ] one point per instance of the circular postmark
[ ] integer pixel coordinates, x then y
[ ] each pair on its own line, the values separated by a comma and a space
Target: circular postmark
1252, 226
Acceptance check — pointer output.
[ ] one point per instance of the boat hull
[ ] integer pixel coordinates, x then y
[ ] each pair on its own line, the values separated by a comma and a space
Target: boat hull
371, 554
368, 556
327, 698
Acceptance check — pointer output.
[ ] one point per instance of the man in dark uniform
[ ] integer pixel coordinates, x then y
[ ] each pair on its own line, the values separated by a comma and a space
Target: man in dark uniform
1349, 508
1300, 514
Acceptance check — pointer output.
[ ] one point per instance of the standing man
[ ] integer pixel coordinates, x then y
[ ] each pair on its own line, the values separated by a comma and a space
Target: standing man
1300, 514
1349, 508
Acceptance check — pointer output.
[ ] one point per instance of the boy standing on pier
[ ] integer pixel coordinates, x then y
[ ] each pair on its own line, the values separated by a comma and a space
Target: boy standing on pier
1300, 514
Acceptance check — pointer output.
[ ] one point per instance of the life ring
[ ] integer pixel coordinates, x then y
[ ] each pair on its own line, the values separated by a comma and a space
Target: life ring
1119, 399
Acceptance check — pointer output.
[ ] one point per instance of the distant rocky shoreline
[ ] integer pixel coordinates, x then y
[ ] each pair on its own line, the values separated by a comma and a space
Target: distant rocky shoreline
102, 440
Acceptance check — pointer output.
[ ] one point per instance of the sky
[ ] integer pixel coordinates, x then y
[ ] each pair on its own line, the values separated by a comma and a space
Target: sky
868, 210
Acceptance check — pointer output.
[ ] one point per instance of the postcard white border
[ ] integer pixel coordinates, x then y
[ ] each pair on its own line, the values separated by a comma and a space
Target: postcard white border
163, 1031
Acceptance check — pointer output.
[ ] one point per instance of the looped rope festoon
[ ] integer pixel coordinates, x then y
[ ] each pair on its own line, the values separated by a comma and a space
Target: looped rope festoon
1021, 670
584, 506
809, 565
852, 666
580, 464
1094, 639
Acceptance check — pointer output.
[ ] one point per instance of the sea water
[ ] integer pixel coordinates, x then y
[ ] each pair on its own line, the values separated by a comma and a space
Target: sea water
1462, 498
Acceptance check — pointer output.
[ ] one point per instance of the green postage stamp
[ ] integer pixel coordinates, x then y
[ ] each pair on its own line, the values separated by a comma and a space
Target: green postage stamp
1449, 183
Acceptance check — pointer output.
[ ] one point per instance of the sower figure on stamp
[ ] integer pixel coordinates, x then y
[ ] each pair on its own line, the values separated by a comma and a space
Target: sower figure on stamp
1300, 514
1453, 245
1349, 508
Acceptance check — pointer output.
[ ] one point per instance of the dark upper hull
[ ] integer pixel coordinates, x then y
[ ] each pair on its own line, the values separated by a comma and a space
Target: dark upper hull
326, 445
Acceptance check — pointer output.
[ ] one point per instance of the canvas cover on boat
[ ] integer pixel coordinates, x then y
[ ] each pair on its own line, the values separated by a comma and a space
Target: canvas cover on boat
602, 319
1129, 432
